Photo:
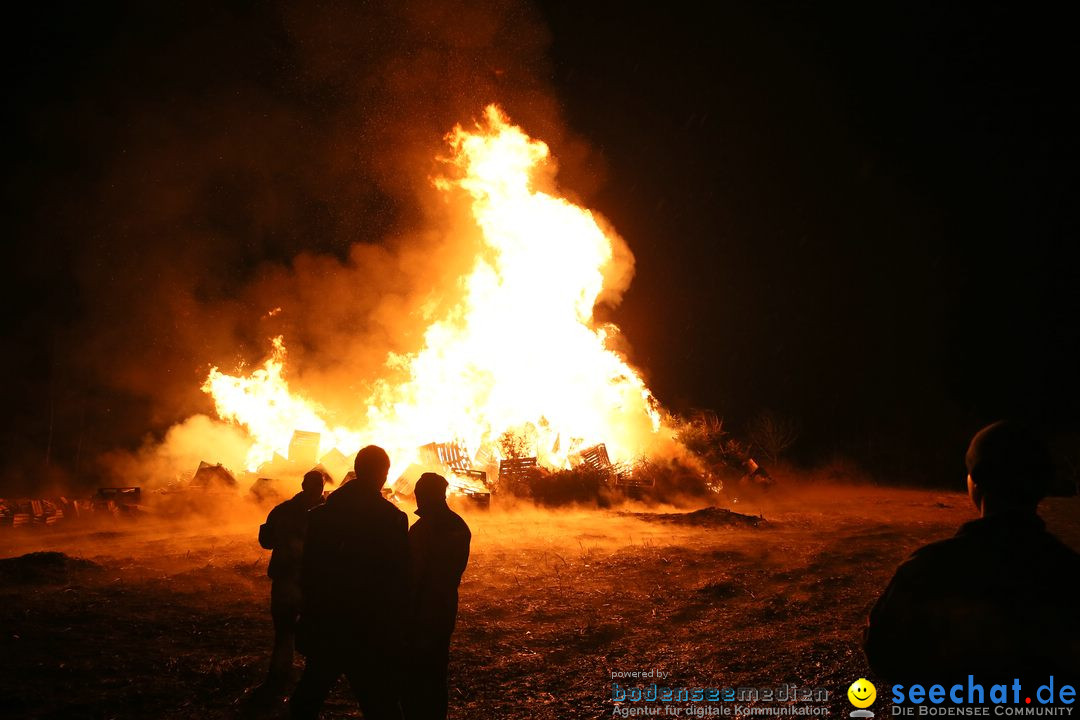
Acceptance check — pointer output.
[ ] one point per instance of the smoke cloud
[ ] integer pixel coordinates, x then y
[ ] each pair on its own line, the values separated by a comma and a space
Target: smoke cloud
267, 172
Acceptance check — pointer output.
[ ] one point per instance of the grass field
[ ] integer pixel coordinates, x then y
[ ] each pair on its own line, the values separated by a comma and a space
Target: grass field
171, 620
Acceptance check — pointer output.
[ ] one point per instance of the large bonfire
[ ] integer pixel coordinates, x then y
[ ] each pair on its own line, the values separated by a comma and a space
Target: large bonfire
519, 355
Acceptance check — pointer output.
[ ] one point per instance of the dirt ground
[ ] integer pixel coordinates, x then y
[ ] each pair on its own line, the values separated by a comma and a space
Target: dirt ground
171, 620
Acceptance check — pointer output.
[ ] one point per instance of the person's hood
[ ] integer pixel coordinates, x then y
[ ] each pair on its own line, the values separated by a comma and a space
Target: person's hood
432, 508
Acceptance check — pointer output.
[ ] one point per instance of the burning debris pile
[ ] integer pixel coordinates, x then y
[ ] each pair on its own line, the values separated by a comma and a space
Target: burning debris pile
518, 354
715, 461
513, 386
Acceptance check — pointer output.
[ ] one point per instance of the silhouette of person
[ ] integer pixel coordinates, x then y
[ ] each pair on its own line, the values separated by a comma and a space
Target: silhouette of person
283, 533
996, 600
355, 582
439, 551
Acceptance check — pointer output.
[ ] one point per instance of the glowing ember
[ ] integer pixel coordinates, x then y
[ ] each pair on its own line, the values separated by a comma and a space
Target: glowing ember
518, 354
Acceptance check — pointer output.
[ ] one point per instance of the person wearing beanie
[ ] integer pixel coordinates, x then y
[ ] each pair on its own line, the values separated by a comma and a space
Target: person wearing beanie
438, 551
997, 600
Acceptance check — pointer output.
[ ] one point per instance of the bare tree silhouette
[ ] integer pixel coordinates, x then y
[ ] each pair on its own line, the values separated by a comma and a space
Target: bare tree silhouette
772, 433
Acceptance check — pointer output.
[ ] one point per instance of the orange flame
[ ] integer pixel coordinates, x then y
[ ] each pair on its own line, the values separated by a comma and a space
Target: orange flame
263, 404
519, 353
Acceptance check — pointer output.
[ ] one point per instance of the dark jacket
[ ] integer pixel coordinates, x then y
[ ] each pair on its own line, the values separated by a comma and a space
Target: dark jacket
354, 577
283, 532
998, 599
439, 551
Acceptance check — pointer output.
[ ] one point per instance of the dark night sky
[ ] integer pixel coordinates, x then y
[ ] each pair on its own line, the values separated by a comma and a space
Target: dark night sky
857, 214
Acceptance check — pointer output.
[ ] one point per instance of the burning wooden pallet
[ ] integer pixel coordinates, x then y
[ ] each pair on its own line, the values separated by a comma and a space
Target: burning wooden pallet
597, 458
452, 456
475, 479
473, 484
513, 471
453, 459
621, 476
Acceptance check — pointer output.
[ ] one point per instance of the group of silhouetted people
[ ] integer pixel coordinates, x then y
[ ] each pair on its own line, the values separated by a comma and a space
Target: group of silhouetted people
367, 597
364, 595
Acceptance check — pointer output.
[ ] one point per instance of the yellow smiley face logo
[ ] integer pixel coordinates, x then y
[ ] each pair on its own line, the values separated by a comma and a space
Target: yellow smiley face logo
862, 693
